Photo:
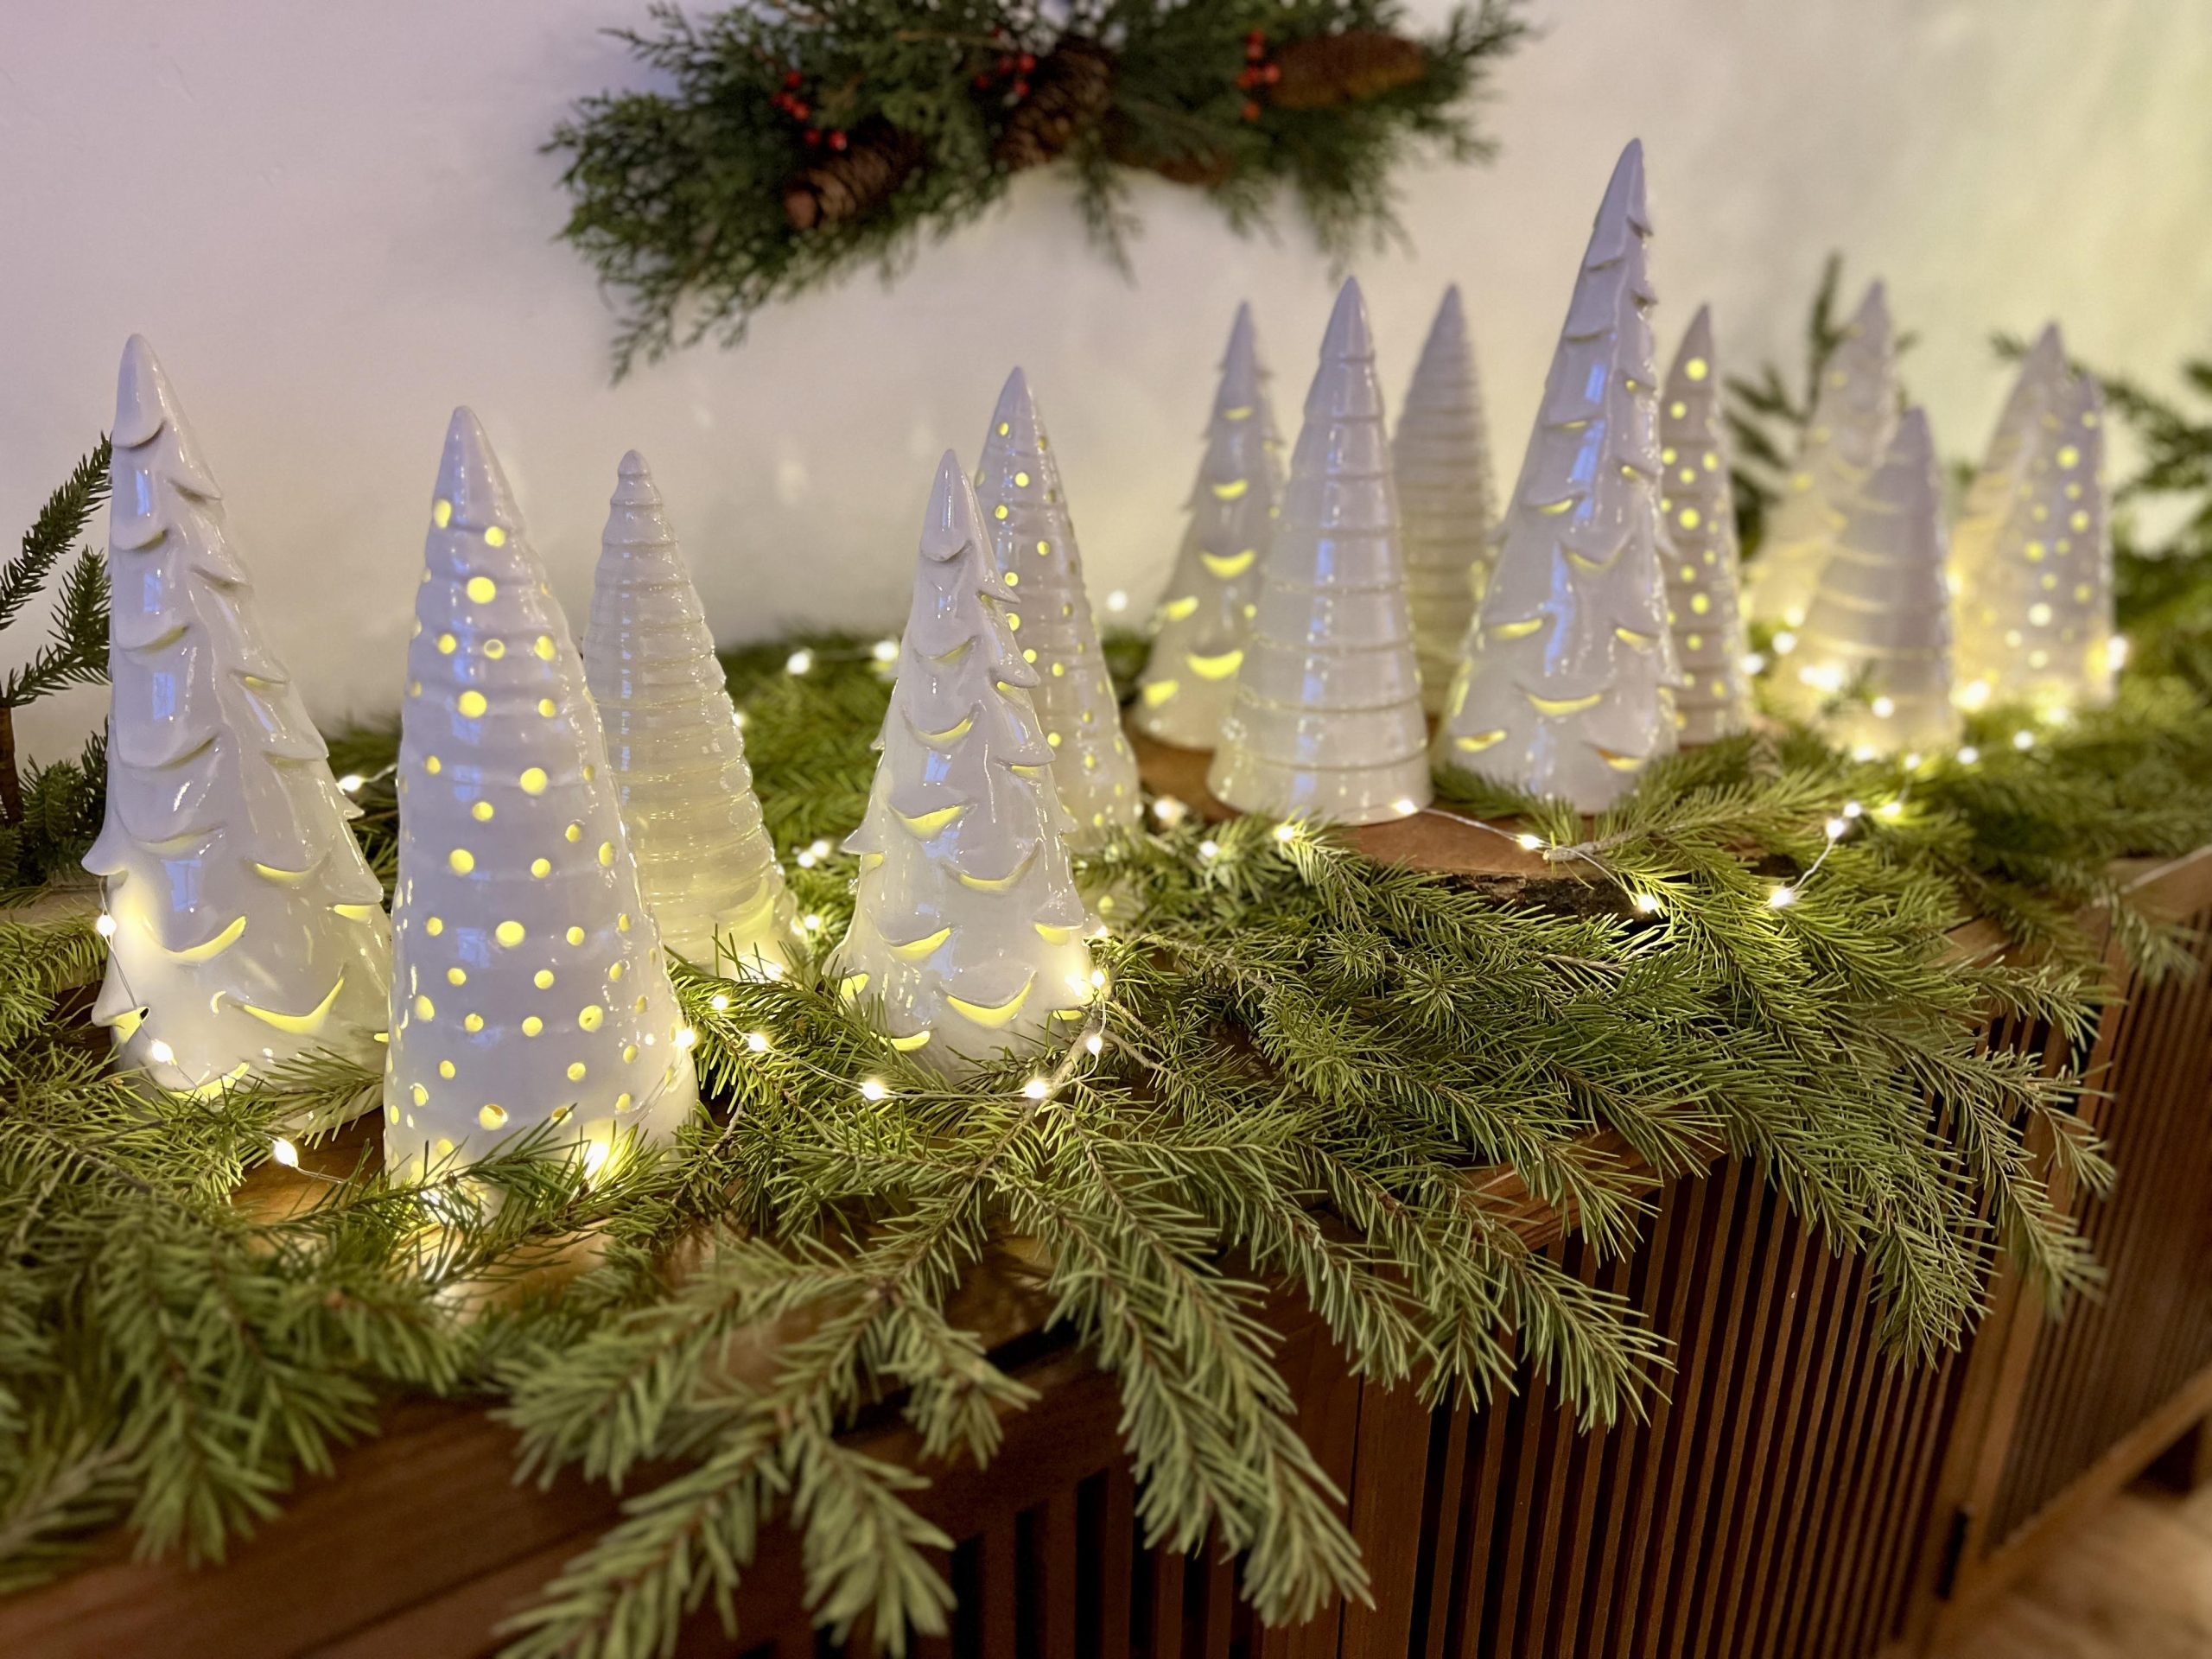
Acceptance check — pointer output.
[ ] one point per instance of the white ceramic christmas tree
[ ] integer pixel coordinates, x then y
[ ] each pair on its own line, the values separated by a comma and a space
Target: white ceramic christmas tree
1327, 723
705, 864
1032, 542
244, 928
2032, 553
1206, 616
529, 984
1441, 456
1566, 687
1854, 415
967, 926
1878, 631
1699, 512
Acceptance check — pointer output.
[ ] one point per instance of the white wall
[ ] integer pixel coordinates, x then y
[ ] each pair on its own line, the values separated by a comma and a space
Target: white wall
333, 223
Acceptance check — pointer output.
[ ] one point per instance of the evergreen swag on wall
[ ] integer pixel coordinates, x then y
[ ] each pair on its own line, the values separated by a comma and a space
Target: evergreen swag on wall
795, 142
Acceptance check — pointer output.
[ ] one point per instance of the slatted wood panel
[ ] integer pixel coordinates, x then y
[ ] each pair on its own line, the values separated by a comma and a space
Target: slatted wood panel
2112, 1364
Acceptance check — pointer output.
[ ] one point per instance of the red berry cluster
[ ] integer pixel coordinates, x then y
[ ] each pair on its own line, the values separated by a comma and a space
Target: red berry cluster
1012, 67
1257, 71
788, 100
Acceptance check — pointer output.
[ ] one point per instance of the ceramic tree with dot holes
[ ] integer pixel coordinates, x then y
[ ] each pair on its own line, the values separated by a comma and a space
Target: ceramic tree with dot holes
2033, 550
967, 928
1441, 456
1699, 512
1565, 684
1205, 616
529, 985
1327, 723
705, 864
1854, 415
1876, 635
244, 926
1032, 543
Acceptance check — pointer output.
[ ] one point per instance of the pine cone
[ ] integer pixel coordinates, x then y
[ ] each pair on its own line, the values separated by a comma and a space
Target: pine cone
1330, 70
854, 184
1070, 92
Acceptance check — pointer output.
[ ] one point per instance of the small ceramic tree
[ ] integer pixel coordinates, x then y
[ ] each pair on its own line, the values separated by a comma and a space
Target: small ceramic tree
1032, 542
705, 864
1441, 457
1566, 686
530, 987
1854, 415
1878, 631
2032, 550
1327, 721
244, 927
1699, 512
1206, 616
967, 927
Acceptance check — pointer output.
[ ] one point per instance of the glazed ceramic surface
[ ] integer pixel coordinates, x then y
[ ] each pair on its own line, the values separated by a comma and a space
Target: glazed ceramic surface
246, 929
1441, 459
529, 984
1032, 543
967, 932
1565, 685
1327, 721
1697, 515
1205, 616
705, 866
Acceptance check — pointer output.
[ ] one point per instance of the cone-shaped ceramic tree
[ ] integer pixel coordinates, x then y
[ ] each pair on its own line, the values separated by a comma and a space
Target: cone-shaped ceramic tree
1441, 455
529, 984
1565, 685
1854, 415
705, 863
967, 926
1878, 631
246, 928
1032, 542
2032, 552
1206, 616
1327, 723
1699, 511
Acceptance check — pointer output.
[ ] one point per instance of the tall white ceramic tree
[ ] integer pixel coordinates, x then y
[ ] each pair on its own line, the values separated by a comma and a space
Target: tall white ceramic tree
1566, 686
1877, 634
1206, 615
1441, 456
1698, 509
705, 864
530, 986
1854, 415
1327, 721
967, 927
1032, 542
244, 927
2032, 553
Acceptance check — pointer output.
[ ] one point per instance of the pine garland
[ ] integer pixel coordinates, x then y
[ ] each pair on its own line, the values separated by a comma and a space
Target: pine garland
1307, 1068
797, 141
75, 654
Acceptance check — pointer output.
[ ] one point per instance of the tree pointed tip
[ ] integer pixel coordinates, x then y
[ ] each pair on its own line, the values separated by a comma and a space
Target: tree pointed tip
634, 487
632, 464
1697, 339
953, 519
1348, 335
1874, 308
144, 401
469, 477
1625, 190
1015, 404
1914, 438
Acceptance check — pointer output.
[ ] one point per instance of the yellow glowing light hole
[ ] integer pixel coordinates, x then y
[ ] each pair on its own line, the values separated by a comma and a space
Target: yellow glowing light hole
456, 977
622, 921
547, 708
629, 1053
575, 1070
926, 825
446, 1070
605, 854
542, 979
472, 704
448, 644
1476, 742
210, 949
1517, 630
1021, 480
433, 765
1215, 668
489, 1115
1232, 491
1554, 707
592, 1018
482, 811
441, 514
533, 780
508, 933
614, 972
541, 867
473, 1022
531, 1024
1158, 692
543, 647
461, 860
575, 936
999, 511
1696, 368
425, 1009
990, 1017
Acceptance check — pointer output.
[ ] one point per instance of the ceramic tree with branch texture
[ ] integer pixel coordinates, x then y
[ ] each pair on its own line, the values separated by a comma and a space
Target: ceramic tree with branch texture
1854, 415
1032, 543
1327, 723
2032, 552
1565, 685
1441, 457
1698, 509
530, 986
967, 931
1877, 636
1205, 616
244, 926
706, 865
